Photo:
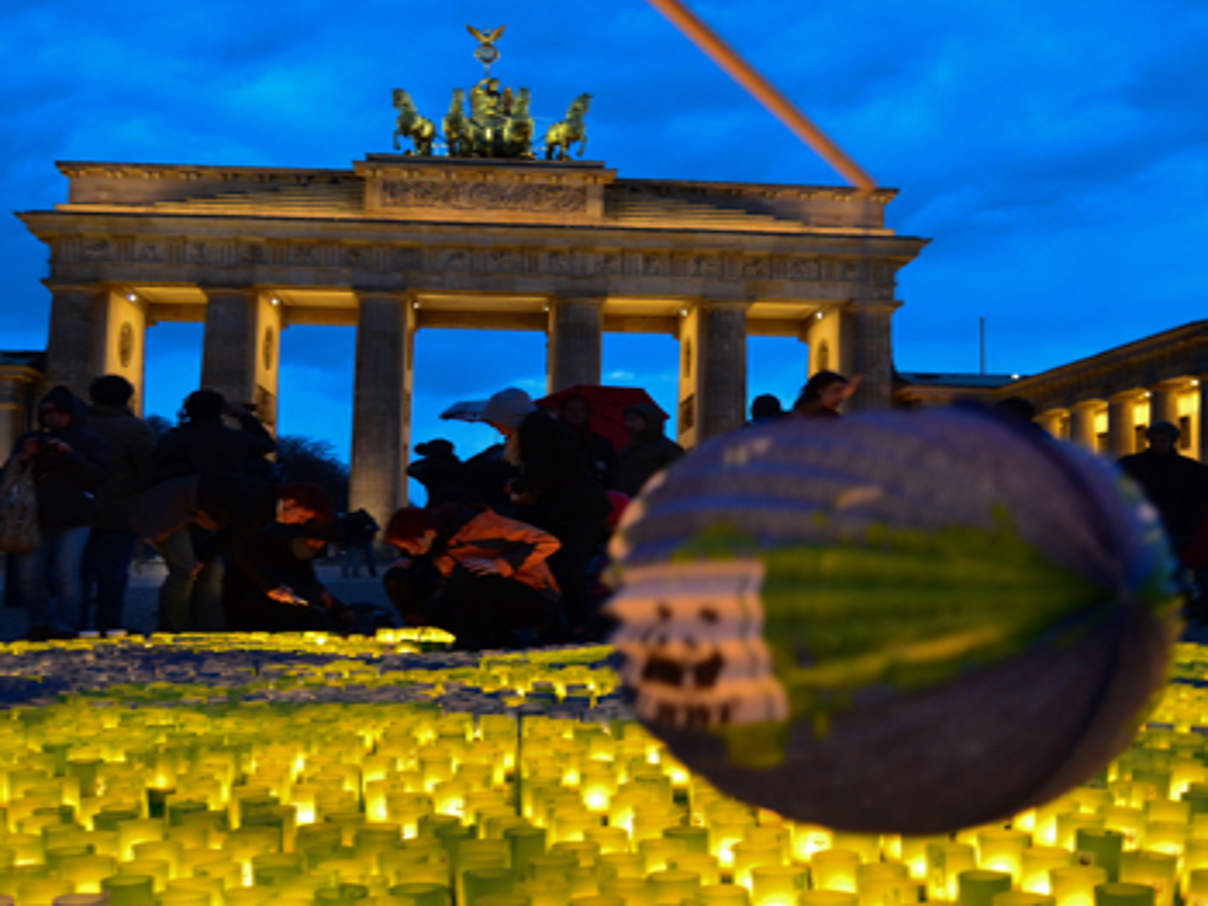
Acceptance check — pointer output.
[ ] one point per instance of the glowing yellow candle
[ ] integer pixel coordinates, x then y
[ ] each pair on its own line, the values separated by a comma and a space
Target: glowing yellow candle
620, 865
1037, 862
776, 885
609, 839
634, 891
1158, 870
835, 869
702, 864
945, 862
1068, 826
1124, 895
1165, 837
1002, 850
826, 898
672, 886
1075, 885
1196, 892
1021, 898
977, 886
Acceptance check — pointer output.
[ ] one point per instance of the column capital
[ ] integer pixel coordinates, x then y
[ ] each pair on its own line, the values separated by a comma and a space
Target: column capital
1087, 405
1133, 394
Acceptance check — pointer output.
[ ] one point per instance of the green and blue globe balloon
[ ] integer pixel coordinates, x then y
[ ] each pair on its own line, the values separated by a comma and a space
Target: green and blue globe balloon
896, 622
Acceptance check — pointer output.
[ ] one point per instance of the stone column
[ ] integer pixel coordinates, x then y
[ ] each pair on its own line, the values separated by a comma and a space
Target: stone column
1164, 401
1082, 423
241, 351
867, 340
573, 343
713, 371
381, 405
1051, 420
1121, 424
71, 349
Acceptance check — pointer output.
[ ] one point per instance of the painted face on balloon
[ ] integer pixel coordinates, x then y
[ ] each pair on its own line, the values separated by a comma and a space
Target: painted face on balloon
694, 655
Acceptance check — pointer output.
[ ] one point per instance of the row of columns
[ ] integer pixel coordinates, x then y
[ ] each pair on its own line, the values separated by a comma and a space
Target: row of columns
1077, 422
100, 330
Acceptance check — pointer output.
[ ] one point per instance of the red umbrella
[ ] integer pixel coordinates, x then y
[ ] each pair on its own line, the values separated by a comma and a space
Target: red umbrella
607, 406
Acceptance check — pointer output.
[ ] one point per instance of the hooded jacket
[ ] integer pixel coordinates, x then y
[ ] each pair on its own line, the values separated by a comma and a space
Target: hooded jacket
131, 443
66, 481
649, 452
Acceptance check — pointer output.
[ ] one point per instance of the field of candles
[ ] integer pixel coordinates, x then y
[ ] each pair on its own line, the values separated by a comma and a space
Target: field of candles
238, 770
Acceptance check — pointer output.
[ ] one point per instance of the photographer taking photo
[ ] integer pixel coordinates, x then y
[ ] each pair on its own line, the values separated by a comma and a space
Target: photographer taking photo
69, 464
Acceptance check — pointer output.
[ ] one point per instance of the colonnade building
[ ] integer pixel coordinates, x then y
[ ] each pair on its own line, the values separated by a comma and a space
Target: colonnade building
399, 243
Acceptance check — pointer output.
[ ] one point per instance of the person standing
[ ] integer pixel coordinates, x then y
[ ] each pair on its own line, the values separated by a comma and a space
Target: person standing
112, 539
191, 596
69, 464
602, 456
1175, 484
357, 531
649, 450
439, 470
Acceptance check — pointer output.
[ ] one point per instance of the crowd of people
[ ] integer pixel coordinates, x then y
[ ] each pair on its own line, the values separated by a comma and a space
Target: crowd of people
238, 544
508, 550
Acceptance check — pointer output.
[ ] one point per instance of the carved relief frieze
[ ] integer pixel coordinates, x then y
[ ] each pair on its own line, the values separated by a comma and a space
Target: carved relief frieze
707, 266
487, 196
250, 253
609, 264
804, 269
150, 251
756, 268
656, 264
96, 250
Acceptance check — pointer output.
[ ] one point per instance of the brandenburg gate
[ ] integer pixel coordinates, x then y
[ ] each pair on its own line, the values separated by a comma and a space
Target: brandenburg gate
490, 239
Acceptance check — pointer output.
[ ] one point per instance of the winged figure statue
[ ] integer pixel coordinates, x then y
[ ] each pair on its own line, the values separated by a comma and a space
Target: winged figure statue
489, 37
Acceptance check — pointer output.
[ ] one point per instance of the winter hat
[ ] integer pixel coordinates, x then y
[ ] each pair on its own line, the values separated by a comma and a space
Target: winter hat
436, 447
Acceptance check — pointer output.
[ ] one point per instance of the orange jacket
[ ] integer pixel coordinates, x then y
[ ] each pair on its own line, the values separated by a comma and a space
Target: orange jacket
517, 549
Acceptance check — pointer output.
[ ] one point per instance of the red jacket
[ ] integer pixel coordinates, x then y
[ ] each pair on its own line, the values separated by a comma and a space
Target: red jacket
517, 549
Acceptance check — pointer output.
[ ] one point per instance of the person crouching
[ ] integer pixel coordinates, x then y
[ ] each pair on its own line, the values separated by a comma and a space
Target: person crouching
474, 573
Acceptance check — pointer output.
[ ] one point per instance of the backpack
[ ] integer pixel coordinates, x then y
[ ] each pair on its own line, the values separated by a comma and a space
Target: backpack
18, 509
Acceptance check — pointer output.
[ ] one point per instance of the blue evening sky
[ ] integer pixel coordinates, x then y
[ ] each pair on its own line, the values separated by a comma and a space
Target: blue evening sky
1055, 153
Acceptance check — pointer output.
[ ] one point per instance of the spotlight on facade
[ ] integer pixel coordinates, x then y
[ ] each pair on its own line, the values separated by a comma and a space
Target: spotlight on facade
1146, 394
274, 301
415, 305
1195, 382
1015, 377
131, 297
683, 312
819, 315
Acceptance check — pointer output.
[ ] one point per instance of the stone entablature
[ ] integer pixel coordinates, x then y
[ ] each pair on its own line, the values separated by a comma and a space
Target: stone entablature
440, 189
140, 249
1135, 366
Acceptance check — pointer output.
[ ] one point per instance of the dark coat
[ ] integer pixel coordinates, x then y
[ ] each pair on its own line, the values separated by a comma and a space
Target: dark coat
650, 452
199, 447
131, 444
486, 476
66, 482
1176, 485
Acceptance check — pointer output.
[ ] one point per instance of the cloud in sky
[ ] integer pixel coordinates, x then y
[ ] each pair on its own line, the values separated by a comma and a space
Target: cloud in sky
1055, 153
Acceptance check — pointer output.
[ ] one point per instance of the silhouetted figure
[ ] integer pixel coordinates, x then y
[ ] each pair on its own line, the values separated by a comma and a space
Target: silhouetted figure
1175, 484
601, 454
766, 408
441, 473
357, 531
649, 450
113, 537
70, 463
190, 598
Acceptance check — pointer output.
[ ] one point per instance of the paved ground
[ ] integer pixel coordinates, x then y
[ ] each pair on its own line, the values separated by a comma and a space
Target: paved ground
145, 579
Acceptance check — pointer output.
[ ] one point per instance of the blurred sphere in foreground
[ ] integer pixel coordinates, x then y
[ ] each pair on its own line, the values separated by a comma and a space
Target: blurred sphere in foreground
894, 622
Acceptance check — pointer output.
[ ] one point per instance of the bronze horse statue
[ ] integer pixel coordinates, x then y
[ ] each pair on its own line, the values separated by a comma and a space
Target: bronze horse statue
564, 133
518, 133
411, 125
460, 131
